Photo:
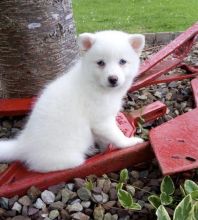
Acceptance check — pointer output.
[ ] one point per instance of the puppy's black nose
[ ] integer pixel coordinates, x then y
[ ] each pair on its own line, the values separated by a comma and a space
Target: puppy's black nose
113, 80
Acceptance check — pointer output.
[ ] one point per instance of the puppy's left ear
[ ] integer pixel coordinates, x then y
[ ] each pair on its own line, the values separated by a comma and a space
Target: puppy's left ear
85, 41
137, 41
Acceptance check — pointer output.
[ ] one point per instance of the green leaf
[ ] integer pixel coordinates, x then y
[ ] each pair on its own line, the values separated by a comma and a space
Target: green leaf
155, 201
183, 211
135, 206
190, 186
124, 175
194, 195
195, 211
167, 186
162, 214
119, 186
165, 199
89, 184
182, 191
125, 198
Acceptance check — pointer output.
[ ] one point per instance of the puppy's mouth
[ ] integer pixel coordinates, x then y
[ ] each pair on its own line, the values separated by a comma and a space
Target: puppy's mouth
113, 85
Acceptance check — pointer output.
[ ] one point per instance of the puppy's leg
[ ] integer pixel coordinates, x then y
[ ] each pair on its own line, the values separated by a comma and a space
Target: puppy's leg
101, 144
109, 131
92, 150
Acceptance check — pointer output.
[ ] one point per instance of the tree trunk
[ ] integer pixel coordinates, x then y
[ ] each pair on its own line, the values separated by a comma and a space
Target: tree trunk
37, 43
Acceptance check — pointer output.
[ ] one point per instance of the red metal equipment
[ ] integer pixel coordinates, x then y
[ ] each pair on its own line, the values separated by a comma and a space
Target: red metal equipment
16, 179
168, 58
175, 142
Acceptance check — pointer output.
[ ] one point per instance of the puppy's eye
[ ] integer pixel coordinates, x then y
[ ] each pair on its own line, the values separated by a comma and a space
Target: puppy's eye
122, 62
101, 63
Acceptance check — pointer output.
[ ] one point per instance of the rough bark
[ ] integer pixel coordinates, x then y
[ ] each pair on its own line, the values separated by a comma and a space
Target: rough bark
37, 43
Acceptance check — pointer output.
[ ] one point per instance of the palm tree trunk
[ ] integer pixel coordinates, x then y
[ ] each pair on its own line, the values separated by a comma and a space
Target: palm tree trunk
37, 43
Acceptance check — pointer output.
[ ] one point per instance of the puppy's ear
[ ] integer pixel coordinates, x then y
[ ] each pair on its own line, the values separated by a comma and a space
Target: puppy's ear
85, 41
137, 41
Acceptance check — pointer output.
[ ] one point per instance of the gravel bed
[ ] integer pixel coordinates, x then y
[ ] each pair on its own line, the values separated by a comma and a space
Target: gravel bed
73, 200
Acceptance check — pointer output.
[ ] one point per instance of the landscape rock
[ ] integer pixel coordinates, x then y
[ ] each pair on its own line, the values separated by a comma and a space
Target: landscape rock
48, 196
97, 198
107, 216
4, 203
76, 207
86, 204
17, 207
80, 216
20, 217
54, 214
33, 193
25, 200
39, 204
32, 211
98, 213
78, 183
84, 194
57, 205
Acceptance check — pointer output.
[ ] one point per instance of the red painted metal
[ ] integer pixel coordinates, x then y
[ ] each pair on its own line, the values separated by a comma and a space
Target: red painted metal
148, 113
191, 69
175, 143
194, 84
14, 107
16, 179
166, 59
170, 78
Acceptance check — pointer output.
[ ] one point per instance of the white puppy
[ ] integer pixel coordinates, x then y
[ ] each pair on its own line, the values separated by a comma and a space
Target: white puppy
79, 108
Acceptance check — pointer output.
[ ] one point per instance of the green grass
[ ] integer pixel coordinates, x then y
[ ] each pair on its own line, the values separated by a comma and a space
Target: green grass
134, 15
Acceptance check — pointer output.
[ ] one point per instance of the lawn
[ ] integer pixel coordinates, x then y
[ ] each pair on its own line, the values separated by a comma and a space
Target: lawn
135, 15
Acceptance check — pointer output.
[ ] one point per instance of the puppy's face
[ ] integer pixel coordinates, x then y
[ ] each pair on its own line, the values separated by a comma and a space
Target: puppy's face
111, 57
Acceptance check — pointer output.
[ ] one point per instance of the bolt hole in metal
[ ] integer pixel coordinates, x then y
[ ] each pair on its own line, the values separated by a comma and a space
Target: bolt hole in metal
191, 159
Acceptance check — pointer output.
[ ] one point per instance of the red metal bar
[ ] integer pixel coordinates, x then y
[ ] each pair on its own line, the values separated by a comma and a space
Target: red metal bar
148, 113
160, 68
166, 59
14, 107
170, 78
189, 35
194, 84
20, 180
188, 68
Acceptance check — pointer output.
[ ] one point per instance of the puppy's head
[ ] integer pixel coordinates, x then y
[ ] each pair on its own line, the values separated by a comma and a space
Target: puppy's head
111, 58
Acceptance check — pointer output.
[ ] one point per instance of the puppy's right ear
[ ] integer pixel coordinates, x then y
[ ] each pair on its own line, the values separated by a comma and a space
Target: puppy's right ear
85, 41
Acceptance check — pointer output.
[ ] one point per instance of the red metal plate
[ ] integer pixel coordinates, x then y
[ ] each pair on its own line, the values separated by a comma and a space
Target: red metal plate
175, 143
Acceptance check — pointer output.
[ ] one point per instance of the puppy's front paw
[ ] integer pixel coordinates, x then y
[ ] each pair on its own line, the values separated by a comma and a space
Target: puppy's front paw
131, 142
137, 140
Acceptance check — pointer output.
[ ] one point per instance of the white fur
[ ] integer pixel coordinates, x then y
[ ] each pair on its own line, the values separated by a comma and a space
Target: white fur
79, 107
